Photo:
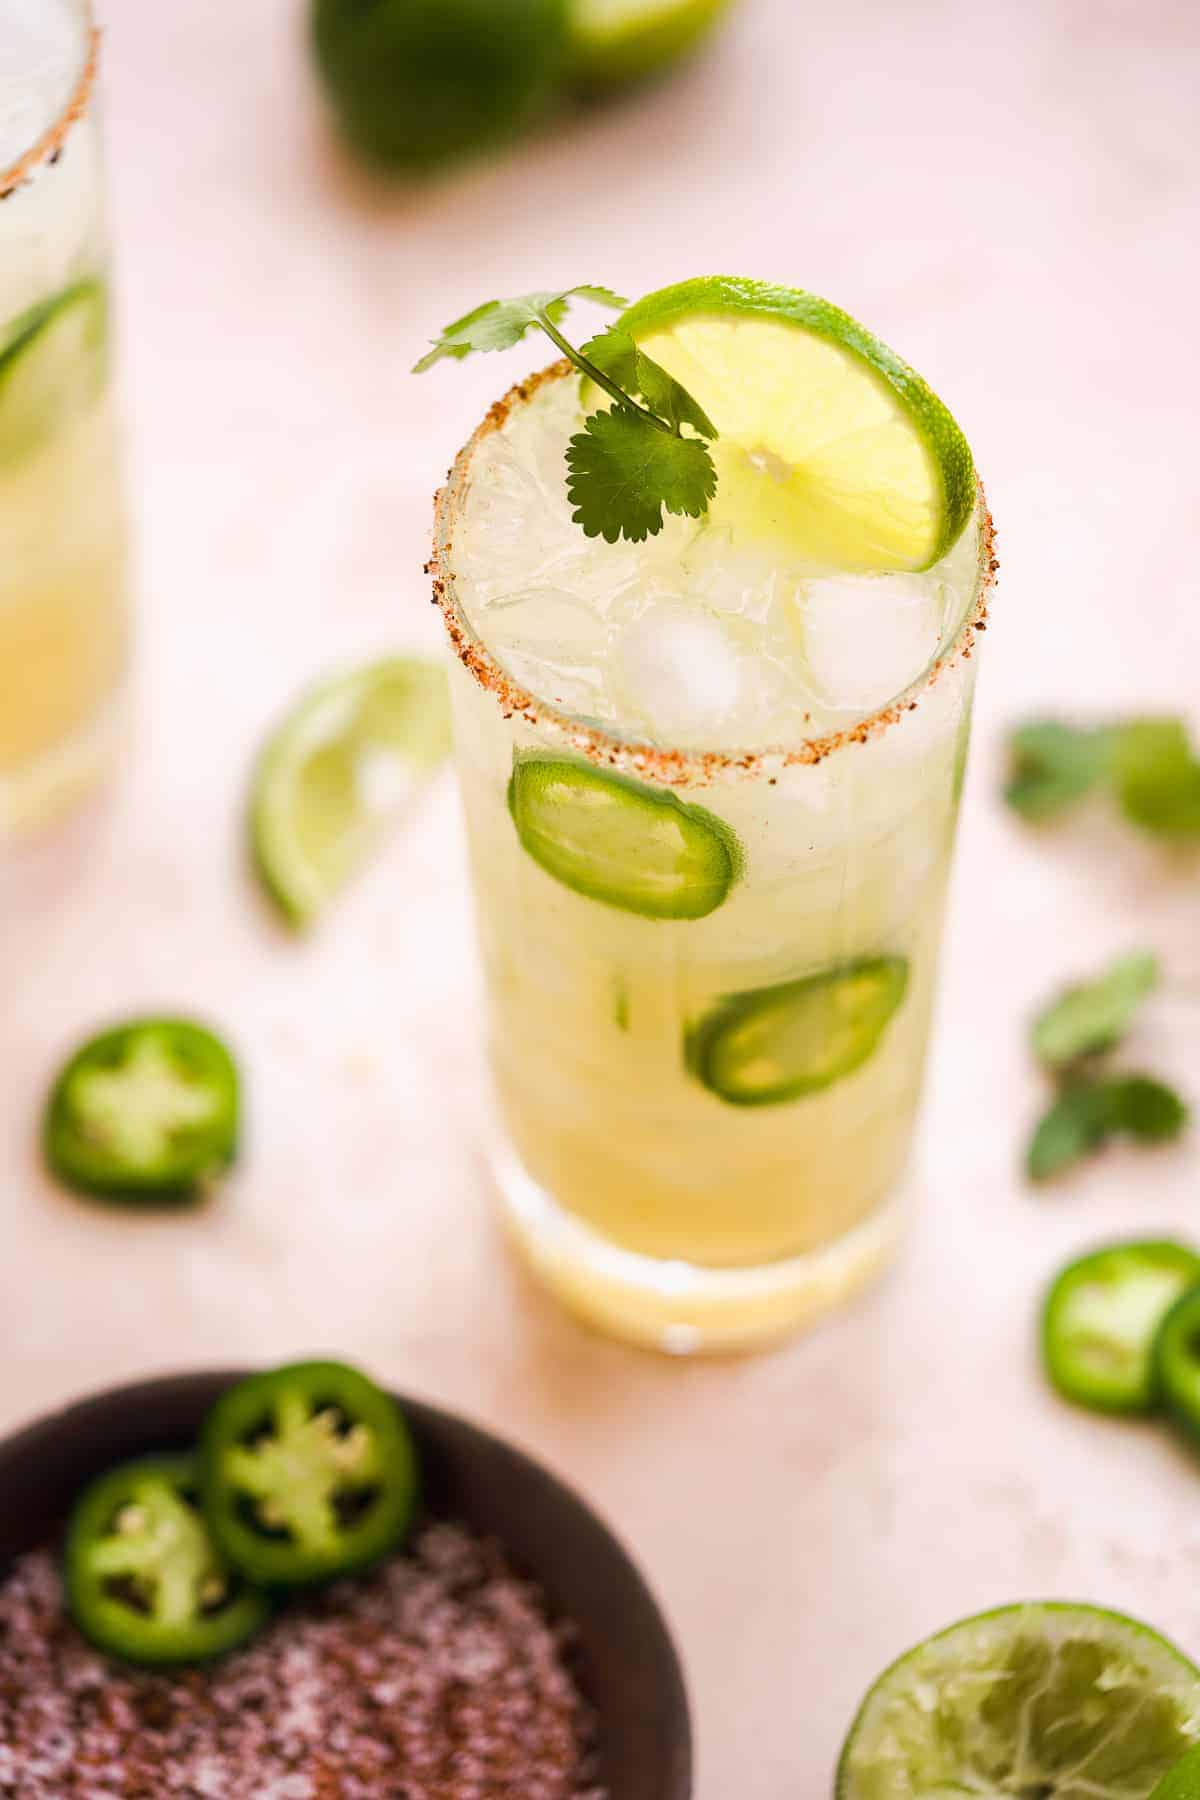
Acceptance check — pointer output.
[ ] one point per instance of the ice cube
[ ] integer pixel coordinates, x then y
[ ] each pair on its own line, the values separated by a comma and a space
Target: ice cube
864, 638
682, 673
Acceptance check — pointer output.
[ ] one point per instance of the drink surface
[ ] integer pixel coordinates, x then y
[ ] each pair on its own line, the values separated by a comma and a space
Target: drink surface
63, 623
704, 637
731, 1091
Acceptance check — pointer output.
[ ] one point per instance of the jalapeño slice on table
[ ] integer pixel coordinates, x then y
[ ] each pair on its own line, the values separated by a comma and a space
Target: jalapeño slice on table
1101, 1317
52, 367
618, 841
147, 1111
143, 1577
309, 1473
1177, 1360
779, 1043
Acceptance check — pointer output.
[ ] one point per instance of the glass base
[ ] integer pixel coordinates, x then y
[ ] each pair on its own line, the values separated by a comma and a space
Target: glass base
48, 786
683, 1308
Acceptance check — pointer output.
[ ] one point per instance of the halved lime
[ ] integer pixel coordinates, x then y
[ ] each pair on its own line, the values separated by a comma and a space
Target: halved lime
1042, 1701
778, 1043
626, 40
620, 842
829, 445
337, 772
1182, 1782
1101, 1318
52, 366
418, 82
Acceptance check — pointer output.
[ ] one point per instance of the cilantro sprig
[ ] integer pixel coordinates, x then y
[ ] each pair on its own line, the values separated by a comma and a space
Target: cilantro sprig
1071, 1037
631, 463
1147, 765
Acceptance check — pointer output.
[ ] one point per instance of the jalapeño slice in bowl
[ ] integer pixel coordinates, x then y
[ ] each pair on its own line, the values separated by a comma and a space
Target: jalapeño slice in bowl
52, 366
309, 1473
1042, 1701
144, 1580
618, 841
1177, 1360
1101, 1317
147, 1111
779, 1043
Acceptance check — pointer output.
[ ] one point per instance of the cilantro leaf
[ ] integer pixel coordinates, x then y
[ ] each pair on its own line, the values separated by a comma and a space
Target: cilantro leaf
1087, 1114
1094, 1015
1148, 1110
1075, 1126
617, 356
499, 324
623, 469
626, 465
1053, 765
1157, 777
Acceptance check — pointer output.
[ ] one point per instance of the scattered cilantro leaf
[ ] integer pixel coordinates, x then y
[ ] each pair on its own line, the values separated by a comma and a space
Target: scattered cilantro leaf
627, 465
623, 470
1053, 765
1075, 1126
1087, 1114
1148, 1110
615, 352
1157, 777
499, 324
1148, 764
1092, 1016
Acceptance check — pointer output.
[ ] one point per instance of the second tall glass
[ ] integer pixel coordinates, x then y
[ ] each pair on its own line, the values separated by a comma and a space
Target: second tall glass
64, 624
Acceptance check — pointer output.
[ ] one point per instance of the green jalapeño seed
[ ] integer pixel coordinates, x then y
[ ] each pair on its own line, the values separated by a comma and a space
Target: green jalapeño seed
144, 1580
618, 841
779, 1043
1101, 1317
147, 1112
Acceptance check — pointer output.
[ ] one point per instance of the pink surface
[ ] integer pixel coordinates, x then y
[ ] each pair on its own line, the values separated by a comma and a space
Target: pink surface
1010, 195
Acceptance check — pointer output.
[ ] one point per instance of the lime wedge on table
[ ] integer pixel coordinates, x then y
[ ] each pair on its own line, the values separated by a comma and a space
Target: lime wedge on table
625, 40
337, 772
829, 445
1034, 1702
52, 366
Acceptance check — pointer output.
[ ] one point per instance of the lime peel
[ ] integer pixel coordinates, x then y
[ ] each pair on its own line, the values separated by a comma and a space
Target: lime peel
865, 468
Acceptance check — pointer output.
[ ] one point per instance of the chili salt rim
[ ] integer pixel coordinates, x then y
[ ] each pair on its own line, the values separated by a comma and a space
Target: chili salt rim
672, 767
51, 141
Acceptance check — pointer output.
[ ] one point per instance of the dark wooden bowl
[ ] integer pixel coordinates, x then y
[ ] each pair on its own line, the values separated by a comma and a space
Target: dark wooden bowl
628, 1668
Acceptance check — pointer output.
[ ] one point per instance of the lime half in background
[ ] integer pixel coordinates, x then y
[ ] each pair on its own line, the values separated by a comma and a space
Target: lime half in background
338, 771
415, 83
614, 41
1034, 1702
830, 445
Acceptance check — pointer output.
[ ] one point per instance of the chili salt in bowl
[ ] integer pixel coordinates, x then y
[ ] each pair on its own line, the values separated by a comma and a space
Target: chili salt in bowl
627, 1666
